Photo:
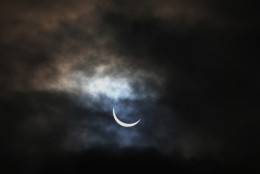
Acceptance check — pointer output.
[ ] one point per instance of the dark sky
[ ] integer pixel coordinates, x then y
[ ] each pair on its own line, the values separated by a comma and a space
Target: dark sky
187, 69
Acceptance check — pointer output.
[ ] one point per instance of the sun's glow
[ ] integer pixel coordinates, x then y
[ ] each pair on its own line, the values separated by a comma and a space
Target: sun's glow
117, 88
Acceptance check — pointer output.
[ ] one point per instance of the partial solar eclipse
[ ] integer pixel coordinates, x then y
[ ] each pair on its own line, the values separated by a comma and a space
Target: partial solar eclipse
122, 123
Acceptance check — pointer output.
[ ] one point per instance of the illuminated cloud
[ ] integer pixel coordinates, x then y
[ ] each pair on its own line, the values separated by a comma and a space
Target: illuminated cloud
112, 88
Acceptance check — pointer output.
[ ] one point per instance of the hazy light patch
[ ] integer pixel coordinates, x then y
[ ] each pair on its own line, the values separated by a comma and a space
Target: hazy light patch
107, 87
115, 89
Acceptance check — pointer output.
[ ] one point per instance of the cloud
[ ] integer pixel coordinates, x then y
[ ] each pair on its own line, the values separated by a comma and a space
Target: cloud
185, 68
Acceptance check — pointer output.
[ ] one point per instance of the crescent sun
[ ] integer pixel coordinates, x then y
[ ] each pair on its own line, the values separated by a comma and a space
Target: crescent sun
122, 123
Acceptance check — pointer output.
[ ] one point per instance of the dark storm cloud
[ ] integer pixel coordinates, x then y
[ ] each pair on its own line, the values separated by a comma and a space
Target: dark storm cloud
189, 66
